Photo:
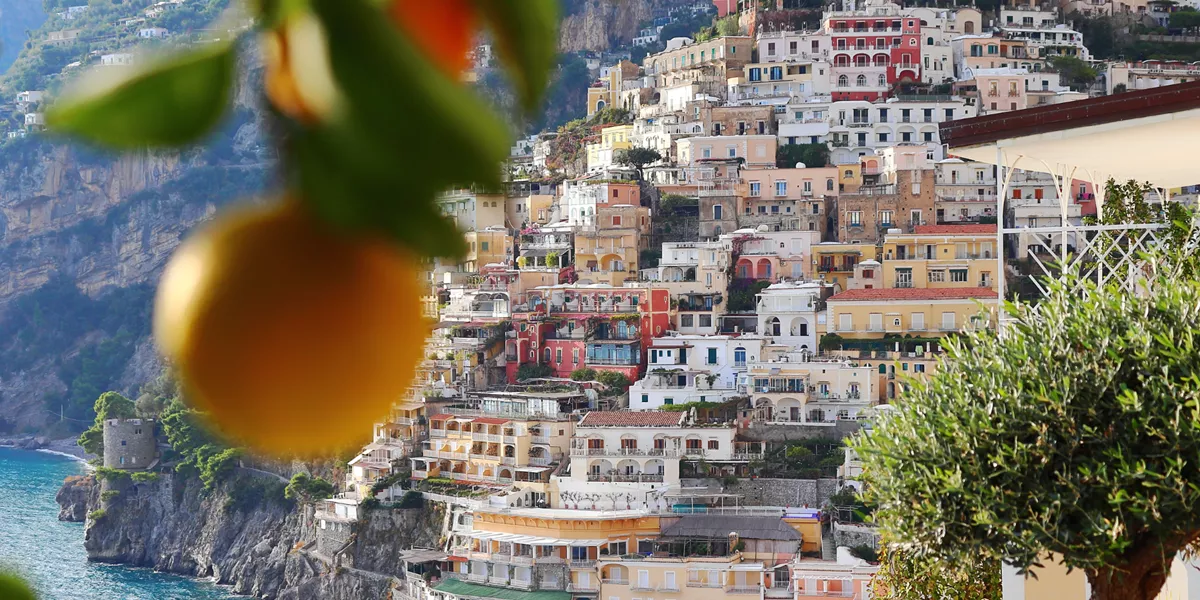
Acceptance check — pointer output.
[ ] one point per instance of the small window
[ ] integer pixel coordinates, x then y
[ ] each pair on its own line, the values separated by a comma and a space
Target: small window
714, 445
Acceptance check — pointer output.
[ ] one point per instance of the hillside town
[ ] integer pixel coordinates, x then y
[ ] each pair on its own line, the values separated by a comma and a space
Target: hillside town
641, 376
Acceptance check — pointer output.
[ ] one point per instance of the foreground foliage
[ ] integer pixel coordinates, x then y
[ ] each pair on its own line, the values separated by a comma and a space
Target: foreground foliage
1074, 433
906, 576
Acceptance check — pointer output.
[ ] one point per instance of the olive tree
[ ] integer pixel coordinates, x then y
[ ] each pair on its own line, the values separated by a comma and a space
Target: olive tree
906, 576
1073, 432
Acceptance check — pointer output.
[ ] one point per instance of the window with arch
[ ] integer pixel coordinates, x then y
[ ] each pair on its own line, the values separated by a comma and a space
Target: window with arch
882, 80
881, 60
599, 105
861, 81
829, 185
843, 81
928, 41
739, 356
773, 326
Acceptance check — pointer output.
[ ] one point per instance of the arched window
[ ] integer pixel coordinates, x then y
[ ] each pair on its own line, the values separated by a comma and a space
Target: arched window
861, 60
929, 41
599, 105
843, 81
739, 356
882, 369
882, 80
969, 27
881, 60
622, 330
861, 81
774, 326
829, 185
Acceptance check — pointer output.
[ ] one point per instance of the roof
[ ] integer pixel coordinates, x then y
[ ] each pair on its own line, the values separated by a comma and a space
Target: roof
441, 417
1154, 129
648, 418
954, 229
490, 420
472, 590
915, 294
720, 526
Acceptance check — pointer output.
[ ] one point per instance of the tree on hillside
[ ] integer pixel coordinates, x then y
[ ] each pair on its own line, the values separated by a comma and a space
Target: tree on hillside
110, 405
638, 158
812, 155
906, 576
1076, 434
306, 489
1073, 72
1186, 18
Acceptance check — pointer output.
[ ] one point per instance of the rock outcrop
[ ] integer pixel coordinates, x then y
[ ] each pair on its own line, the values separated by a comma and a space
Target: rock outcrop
74, 497
596, 25
261, 546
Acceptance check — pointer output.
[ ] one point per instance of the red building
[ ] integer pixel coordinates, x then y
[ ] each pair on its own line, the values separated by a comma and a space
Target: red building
872, 50
570, 327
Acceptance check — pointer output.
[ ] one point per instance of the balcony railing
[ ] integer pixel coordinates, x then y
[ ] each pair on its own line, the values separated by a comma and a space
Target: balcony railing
616, 362
704, 584
535, 461
522, 560
583, 563
539, 439
584, 588
616, 581
743, 590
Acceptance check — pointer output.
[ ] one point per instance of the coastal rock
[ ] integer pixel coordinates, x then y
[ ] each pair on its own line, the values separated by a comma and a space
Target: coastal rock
261, 546
74, 496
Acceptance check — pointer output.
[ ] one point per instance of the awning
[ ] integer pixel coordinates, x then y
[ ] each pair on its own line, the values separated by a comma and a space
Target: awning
533, 469
1143, 135
463, 589
529, 539
490, 420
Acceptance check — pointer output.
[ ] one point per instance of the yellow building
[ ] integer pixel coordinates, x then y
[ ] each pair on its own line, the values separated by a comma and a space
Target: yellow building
878, 313
508, 546
606, 252
394, 439
613, 139
487, 247
834, 262
941, 256
473, 211
1054, 583
606, 91
470, 449
692, 577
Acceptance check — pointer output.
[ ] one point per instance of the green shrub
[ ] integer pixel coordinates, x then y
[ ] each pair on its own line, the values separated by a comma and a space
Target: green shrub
583, 374
111, 474
533, 371
107, 495
143, 476
866, 553
304, 488
97, 514
247, 493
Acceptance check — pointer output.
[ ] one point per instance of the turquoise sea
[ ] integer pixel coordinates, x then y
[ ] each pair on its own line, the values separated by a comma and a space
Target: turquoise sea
50, 554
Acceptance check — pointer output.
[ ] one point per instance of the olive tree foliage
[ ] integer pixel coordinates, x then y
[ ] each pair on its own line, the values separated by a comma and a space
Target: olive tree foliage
1076, 431
907, 576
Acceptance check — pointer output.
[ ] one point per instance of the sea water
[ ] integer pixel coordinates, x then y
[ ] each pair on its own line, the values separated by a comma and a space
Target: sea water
49, 553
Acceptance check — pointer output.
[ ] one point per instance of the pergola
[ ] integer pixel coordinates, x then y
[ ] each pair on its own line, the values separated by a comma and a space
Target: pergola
1145, 136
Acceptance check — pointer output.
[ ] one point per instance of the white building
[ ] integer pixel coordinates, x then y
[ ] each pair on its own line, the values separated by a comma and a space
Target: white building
859, 127
156, 33
965, 191
117, 59
805, 121
791, 313
71, 12
777, 46
631, 459
693, 368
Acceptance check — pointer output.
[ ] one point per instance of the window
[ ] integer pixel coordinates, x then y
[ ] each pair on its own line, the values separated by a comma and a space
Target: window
828, 188
949, 114
885, 218
711, 359
616, 220
706, 320
948, 321
685, 320
928, 136
780, 188
882, 80
706, 153
958, 275
717, 208
575, 355
938, 276
714, 445
861, 81
558, 355
645, 398
904, 278
732, 152
843, 81
855, 218
739, 357
483, 246
755, 188
883, 137
846, 322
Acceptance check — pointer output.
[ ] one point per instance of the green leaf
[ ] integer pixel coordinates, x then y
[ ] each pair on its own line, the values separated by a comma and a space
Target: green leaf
527, 39
13, 588
164, 103
421, 121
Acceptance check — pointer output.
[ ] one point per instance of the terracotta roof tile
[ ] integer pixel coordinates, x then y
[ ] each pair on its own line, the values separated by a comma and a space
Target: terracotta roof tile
441, 417
968, 229
626, 418
916, 294
490, 420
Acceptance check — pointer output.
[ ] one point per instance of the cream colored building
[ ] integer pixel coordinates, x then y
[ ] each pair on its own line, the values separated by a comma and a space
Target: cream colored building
793, 388
758, 151
690, 578
1054, 583
872, 313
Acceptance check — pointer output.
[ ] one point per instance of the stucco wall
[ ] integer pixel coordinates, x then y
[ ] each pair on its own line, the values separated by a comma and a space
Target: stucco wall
767, 432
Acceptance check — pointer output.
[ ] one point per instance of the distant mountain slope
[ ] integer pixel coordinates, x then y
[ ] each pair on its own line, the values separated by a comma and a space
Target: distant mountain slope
16, 18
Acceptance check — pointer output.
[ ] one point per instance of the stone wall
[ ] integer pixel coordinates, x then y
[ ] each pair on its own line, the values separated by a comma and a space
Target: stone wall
129, 443
849, 535
777, 433
774, 492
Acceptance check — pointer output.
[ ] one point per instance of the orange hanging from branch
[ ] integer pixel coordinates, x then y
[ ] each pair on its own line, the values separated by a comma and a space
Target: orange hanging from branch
443, 29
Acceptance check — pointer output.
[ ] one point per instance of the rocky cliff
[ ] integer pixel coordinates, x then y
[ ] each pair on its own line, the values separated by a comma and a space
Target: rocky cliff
244, 534
596, 25
16, 18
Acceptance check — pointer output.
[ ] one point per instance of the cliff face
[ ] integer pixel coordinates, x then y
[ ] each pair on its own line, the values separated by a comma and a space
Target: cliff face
264, 547
595, 25
17, 17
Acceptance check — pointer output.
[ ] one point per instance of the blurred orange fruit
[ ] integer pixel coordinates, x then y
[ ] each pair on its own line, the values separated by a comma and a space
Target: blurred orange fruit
443, 29
292, 336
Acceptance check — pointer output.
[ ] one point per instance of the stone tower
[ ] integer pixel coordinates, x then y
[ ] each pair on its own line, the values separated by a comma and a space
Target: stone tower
129, 443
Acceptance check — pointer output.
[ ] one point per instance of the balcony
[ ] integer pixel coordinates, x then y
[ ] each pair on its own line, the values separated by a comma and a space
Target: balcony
509, 461
539, 439
616, 582
521, 584
583, 563
441, 433
614, 362
477, 577
510, 439
643, 587
539, 462
744, 590
498, 580
501, 558
704, 584
524, 560
583, 588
